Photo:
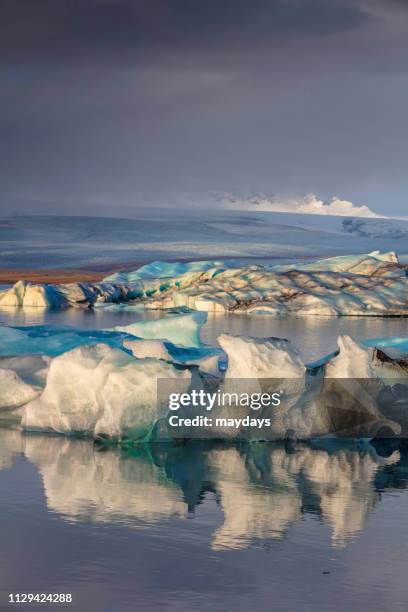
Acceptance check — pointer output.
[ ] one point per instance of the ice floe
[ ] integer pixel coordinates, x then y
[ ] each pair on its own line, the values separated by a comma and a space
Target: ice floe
100, 391
182, 329
207, 359
35, 295
21, 379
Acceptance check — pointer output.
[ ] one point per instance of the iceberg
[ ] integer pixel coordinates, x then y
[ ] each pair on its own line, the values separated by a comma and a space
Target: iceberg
385, 358
183, 329
21, 380
48, 296
207, 359
103, 383
374, 284
51, 341
25, 294
102, 392
161, 269
365, 285
261, 357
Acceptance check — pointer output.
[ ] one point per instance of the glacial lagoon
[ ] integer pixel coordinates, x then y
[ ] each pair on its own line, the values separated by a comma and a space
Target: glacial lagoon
201, 526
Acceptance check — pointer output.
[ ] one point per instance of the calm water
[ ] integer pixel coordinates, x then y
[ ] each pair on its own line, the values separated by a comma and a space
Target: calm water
201, 526
313, 336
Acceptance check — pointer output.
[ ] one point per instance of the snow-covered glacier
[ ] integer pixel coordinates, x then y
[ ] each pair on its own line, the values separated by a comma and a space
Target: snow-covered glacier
375, 284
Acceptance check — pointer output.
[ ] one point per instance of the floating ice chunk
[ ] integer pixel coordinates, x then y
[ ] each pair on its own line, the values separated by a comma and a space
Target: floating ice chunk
368, 360
351, 361
47, 340
369, 285
161, 269
261, 358
14, 392
206, 359
21, 379
395, 347
143, 349
29, 295
183, 329
100, 391
25, 294
357, 264
250, 362
121, 307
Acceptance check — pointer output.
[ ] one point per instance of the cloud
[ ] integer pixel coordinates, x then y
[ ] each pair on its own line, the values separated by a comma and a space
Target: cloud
310, 205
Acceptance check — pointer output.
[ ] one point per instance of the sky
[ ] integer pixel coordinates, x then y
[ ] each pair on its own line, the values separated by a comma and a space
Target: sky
110, 103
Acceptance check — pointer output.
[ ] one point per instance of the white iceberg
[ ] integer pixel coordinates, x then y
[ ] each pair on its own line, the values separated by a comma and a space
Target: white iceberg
183, 329
21, 380
206, 359
25, 294
102, 392
366, 285
161, 269
369, 359
261, 357
48, 296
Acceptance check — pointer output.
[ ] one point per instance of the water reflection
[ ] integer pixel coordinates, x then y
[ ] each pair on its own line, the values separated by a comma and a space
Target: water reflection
261, 489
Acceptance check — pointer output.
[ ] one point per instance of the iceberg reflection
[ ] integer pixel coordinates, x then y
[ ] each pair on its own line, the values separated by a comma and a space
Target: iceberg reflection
262, 489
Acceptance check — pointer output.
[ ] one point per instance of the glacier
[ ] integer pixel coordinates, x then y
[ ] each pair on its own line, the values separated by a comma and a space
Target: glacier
179, 234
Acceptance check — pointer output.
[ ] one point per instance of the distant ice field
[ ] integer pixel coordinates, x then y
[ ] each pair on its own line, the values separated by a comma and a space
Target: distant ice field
183, 234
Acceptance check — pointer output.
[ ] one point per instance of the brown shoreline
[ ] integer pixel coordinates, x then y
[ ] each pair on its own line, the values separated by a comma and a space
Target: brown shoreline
50, 276
98, 272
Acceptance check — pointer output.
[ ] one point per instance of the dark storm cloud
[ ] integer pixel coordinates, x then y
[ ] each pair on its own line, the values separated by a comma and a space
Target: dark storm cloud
114, 101
55, 29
